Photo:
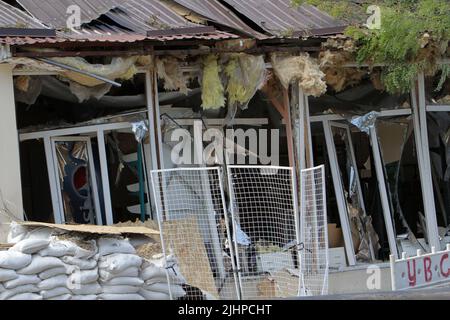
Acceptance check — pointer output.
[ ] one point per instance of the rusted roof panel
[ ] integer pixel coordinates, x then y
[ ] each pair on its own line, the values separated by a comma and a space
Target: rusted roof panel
115, 37
137, 15
280, 17
214, 11
11, 17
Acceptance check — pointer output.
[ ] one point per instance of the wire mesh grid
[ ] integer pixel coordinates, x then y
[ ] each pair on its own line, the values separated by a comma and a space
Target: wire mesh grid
265, 230
194, 230
314, 233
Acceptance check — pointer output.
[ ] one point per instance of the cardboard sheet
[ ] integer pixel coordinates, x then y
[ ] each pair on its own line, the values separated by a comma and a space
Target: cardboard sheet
94, 228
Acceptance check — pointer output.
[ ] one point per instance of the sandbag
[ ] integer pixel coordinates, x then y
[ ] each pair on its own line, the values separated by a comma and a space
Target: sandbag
118, 262
28, 288
55, 292
87, 289
26, 296
43, 233
82, 253
2, 288
21, 280
153, 274
177, 291
153, 295
130, 272
40, 264
152, 271
124, 281
53, 282
107, 246
128, 296
59, 248
84, 297
52, 272
84, 276
30, 246
80, 263
7, 274
62, 297
120, 289
14, 260
16, 233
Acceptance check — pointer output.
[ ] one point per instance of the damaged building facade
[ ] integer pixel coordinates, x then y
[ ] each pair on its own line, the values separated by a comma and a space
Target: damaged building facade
89, 114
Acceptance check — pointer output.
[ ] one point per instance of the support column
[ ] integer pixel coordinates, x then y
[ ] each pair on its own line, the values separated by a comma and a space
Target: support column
10, 181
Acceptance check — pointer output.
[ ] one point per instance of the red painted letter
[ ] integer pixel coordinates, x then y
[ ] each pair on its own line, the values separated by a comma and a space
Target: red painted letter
444, 274
427, 269
412, 276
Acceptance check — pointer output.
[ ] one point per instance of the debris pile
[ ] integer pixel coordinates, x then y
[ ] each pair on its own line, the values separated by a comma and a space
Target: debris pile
50, 264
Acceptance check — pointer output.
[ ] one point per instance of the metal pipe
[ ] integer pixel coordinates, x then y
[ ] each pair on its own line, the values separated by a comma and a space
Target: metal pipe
64, 66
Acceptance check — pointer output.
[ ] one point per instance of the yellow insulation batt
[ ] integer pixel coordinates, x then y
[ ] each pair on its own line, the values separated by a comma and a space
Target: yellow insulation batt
336, 75
301, 68
169, 69
212, 89
245, 75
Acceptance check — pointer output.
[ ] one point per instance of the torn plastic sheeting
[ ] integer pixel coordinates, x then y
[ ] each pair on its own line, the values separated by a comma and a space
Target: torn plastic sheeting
84, 93
365, 122
246, 74
301, 68
213, 96
140, 130
119, 68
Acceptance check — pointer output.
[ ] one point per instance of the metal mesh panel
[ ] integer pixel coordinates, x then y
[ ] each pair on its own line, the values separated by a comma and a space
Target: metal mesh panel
194, 230
314, 233
264, 216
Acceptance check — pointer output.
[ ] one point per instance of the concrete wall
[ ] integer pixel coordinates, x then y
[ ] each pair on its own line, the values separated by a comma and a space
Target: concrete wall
10, 183
355, 279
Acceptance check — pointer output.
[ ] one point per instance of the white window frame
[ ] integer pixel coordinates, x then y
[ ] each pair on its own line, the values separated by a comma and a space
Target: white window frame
59, 215
337, 183
421, 108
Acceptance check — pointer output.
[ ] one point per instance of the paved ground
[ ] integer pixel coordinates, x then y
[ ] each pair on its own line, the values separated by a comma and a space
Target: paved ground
442, 293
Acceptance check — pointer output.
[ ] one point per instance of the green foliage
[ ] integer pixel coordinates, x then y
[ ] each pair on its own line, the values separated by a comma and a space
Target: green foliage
414, 34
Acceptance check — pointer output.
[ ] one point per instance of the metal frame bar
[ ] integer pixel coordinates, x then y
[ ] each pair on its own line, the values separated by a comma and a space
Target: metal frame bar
383, 191
430, 207
52, 179
337, 117
339, 192
438, 108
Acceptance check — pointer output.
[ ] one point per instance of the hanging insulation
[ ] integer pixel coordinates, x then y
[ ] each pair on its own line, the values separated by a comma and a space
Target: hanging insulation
119, 68
300, 68
169, 70
246, 74
337, 75
212, 89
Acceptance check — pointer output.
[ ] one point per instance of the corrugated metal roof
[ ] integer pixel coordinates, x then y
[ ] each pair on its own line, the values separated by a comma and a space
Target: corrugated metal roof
54, 12
145, 15
214, 11
13, 17
135, 15
279, 17
130, 20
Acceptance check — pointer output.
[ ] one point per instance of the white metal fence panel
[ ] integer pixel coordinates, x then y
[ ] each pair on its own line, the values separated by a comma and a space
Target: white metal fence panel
195, 231
314, 232
265, 230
